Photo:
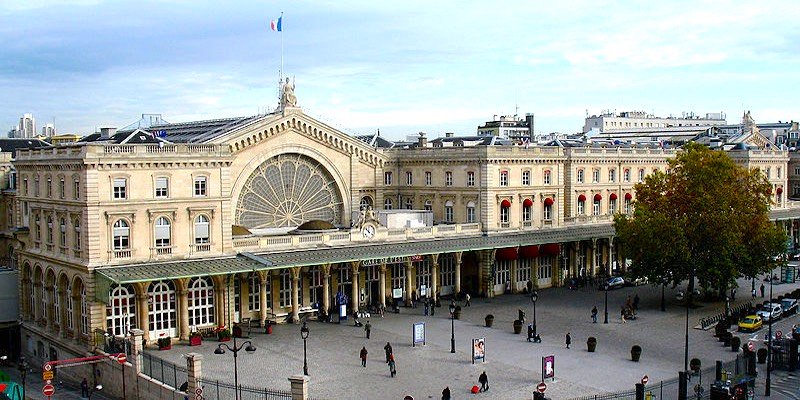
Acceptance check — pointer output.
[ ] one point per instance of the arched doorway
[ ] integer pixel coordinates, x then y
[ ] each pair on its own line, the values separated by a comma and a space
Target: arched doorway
161, 309
121, 311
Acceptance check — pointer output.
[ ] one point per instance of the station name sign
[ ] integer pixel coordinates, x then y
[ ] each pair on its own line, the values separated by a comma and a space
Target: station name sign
390, 260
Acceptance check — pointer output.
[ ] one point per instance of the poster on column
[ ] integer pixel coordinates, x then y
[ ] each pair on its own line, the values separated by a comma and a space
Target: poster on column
478, 350
548, 367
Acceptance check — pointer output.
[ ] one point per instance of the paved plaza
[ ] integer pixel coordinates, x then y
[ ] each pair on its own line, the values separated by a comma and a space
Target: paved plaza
513, 365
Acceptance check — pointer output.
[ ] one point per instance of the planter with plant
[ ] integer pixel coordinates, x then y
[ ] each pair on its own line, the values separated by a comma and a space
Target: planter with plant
636, 352
695, 364
223, 333
591, 344
489, 320
517, 327
195, 339
726, 340
762, 355
735, 343
164, 342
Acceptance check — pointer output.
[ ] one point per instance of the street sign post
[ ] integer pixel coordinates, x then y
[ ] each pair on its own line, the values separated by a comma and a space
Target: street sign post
47, 375
541, 387
779, 334
121, 358
645, 379
48, 390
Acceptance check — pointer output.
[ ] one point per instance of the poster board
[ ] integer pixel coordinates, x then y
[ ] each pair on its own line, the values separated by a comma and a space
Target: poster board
418, 334
478, 349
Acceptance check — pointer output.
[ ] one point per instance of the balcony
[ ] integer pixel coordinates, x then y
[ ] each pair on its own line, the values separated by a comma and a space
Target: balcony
120, 253
161, 251
201, 247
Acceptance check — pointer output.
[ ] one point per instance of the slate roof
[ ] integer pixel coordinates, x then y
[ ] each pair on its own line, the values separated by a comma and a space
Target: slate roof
12, 144
137, 136
199, 131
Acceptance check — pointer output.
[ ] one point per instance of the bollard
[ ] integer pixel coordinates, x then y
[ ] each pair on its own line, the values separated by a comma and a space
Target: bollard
718, 372
639, 391
682, 385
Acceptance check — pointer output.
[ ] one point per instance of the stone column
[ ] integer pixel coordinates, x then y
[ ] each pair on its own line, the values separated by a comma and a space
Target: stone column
194, 372
295, 272
382, 283
408, 286
137, 350
62, 312
355, 298
610, 254
143, 312
299, 387
593, 257
434, 276
513, 276
262, 294
35, 308
326, 287
183, 308
485, 281
457, 257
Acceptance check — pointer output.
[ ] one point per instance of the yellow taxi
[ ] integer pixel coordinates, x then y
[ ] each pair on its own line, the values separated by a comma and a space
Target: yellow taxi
750, 323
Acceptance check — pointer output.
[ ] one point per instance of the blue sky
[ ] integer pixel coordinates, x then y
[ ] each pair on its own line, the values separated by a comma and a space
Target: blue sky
401, 67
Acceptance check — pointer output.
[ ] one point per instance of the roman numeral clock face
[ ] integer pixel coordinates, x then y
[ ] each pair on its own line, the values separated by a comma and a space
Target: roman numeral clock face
368, 230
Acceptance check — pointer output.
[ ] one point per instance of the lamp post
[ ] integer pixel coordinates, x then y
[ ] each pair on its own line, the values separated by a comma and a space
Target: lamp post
534, 297
304, 334
23, 370
247, 346
605, 320
683, 394
97, 388
768, 384
452, 327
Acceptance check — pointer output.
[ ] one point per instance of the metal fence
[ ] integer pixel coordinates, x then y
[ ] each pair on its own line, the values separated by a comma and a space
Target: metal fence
739, 311
164, 371
216, 390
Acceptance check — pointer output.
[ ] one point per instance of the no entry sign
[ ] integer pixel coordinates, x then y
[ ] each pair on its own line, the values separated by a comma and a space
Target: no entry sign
48, 390
645, 379
541, 387
121, 358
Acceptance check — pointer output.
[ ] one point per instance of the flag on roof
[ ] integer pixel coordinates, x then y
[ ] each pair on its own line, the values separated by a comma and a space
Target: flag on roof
276, 24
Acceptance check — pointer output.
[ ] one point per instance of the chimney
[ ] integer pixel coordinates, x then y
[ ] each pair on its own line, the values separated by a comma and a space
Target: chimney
448, 134
106, 133
422, 141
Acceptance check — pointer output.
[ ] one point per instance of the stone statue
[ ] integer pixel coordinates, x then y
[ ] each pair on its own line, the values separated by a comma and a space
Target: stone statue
748, 124
369, 215
359, 218
288, 98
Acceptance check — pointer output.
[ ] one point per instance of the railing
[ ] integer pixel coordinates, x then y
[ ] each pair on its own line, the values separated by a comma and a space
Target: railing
161, 251
164, 371
710, 321
124, 253
216, 390
198, 248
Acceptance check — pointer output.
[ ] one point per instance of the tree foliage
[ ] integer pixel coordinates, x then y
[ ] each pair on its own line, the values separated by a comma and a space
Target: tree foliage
705, 217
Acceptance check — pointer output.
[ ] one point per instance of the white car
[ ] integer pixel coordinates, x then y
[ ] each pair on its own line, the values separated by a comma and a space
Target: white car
770, 311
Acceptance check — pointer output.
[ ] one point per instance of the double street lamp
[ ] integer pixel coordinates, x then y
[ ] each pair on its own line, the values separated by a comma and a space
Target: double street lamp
247, 346
534, 297
304, 334
605, 319
452, 327
23, 370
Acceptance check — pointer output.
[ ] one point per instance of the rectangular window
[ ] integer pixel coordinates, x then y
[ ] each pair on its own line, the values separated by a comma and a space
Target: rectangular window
596, 176
580, 207
428, 178
596, 208
503, 178
471, 178
796, 172
448, 178
526, 214
504, 215
285, 294
62, 188
502, 272
579, 177
254, 293
448, 214
470, 214
76, 190
36, 187
641, 175
778, 172
769, 173
547, 212
49, 188
162, 187
523, 269
120, 188
612, 175
162, 235
546, 177
526, 178
409, 178
612, 206
627, 175
25, 185
200, 186
627, 206
387, 178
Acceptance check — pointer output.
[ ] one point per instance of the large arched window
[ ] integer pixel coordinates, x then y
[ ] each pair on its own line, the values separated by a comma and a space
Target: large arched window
121, 311
85, 312
70, 308
162, 232
387, 204
201, 302
201, 231
77, 239
49, 229
366, 201
161, 304
122, 232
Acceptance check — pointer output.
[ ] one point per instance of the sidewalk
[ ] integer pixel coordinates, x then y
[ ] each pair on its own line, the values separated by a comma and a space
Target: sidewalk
34, 385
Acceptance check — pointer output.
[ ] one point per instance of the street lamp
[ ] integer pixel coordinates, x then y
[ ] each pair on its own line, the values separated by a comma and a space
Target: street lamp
452, 327
304, 334
768, 385
235, 349
534, 297
23, 369
97, 388
605, 320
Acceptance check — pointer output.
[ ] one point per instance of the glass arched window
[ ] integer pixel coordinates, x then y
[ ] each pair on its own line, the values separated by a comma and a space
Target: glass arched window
122, 232
121, 311
428, 205
162, 232
77, 239
409, 203
85, 313
201, 302
366, 201
448, 211
201, 233
387, 204
62, 230
161, 305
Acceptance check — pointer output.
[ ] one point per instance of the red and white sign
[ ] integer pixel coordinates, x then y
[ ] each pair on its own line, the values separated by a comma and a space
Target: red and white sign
645, 379
750, 346
778, 334
121, 358
541, 387
48, 390
48, 367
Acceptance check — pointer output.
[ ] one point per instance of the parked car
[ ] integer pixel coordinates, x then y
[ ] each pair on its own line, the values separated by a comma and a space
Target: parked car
789, 306
770, 311
613, 283
750, 323
638, 281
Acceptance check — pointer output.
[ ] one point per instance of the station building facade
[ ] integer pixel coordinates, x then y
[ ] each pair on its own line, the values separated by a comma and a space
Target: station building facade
196, 225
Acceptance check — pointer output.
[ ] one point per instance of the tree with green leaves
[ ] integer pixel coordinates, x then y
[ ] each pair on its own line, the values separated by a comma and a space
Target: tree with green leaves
705, 218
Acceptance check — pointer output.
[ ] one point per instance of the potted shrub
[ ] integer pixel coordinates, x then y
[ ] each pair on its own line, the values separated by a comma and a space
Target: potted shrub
237, 331
591, 344
726, 340
517, 327
694, 364
223, 333
457, 312
720, 329
195, 339
489, 320
164, 342
636, 352
762, 355
735, 343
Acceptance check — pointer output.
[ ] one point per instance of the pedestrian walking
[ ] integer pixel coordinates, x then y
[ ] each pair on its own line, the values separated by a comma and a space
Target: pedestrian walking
636, 302
84, 388
425, 304
468, 303
446, 393
392, 369
754, 293
484, 381
530, 332
368, 328
594, 314
388, 350
629, 302
363, 356
622, 314
414, 299
762, 290
568, 339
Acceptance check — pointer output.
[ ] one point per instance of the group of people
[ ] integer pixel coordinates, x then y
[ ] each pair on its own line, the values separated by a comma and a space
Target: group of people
628, 311
389, 358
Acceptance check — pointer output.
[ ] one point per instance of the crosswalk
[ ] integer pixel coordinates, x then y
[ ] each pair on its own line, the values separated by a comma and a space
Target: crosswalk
786, 386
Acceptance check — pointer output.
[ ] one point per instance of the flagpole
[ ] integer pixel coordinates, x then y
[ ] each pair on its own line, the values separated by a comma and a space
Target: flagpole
281, 20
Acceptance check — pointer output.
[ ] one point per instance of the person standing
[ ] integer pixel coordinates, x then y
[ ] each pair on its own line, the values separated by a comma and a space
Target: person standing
568, 339
468, 303
636, 302
594, 314
753, 292
484, 381
425, 304
392, 369
762, 290
84, 388
446, 393
388, 350
363, 356
368, 328
622, 314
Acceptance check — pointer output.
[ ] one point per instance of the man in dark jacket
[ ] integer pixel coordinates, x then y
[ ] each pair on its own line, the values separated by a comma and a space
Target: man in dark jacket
484, 381
363, 356
388, 350
446, 393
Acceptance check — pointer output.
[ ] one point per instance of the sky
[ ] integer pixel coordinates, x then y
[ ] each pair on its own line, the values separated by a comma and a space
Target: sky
399, 66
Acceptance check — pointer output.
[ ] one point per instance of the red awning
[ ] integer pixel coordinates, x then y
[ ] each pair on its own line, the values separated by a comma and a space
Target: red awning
529, 251
550, 249
548, 201
597, 197
628, 196
527, 203
581, 198
613, 196
779, 190
509, 253
505, 204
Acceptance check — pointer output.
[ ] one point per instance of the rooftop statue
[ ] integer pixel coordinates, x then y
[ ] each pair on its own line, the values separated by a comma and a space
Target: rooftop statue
288, 99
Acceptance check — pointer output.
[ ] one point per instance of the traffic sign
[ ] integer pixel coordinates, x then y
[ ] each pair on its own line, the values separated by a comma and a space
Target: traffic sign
198, 391
121, 358
750, 346
541, 387
47, 375
778, 334
48, 367
645, 379
48, 390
